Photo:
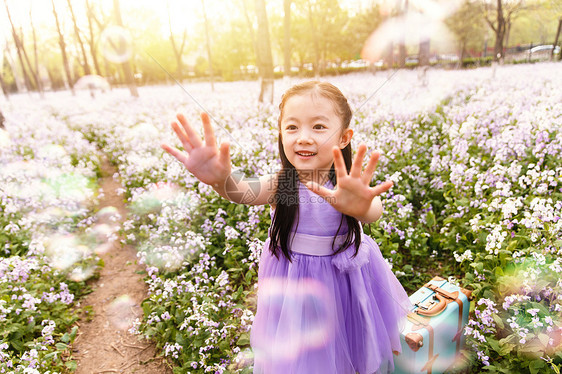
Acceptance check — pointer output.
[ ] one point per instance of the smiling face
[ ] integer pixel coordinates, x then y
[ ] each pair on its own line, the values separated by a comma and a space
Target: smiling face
310, 128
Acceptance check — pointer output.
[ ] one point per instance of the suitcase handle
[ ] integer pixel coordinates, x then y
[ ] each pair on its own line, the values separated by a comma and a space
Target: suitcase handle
436, 309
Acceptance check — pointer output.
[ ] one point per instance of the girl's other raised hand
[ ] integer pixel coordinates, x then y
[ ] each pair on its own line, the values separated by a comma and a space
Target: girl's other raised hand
353, 194
207, 162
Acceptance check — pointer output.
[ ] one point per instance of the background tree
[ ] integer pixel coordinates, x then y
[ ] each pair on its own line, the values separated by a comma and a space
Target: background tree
286, 38
127, 71
84, 63
468, 26
208, 38
62, 46
499, 15
263, 53
178, 50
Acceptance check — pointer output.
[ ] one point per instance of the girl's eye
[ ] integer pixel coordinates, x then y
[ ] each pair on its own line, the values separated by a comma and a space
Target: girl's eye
319, 126
290, 127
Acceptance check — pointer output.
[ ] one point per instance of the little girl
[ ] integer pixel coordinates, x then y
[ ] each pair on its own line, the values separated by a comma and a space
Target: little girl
327, 301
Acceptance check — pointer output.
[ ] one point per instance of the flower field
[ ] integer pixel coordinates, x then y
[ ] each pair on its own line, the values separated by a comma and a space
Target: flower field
475, 157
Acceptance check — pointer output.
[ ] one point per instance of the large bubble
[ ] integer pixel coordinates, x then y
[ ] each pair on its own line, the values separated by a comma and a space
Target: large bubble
302, 314
424, 20
151, 200
92, 82
116, 44
121, 312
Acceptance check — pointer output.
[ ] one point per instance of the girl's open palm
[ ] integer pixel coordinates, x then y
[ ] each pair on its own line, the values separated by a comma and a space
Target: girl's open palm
207, 162
353, 194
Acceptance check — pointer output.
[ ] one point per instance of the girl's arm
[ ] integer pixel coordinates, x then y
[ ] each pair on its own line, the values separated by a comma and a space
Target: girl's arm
353, 194
211, 164
252, 191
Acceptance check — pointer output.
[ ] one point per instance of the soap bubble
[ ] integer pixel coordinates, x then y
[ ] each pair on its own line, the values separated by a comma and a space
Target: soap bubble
116, 44
63, 251
305, 315
152, 199
5, 140
121, 313
424, 20
80, 274
92, 82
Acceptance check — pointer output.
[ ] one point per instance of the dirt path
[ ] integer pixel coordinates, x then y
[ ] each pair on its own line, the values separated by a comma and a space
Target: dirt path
103, 344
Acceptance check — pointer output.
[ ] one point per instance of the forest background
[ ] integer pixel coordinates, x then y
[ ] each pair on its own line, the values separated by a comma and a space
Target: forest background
51, 44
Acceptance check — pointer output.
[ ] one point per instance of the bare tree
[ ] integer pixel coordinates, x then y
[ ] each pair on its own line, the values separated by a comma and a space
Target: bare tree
250, 29
127, 71
208, 45
91, 37
35, 55
178, 51
402, 42
314, 32
85, 64
556, 38
19, 51
62, 45
264, 54
498, 17
287, 38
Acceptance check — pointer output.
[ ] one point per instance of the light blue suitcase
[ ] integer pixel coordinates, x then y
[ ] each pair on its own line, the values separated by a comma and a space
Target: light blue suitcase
433, 332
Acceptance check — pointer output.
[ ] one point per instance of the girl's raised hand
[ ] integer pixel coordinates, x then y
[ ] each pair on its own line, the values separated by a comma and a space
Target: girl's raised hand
353, 194
207, 162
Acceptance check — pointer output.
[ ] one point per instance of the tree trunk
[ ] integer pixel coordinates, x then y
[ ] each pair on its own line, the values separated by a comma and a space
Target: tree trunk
26, 79
556, 42
177, 51
424, 52
36, 58
127, 71
91, 39
500, 32
250, 28
4, 88
287, 38
63, 50
208, 45
402, 45
85, 64
264, 53
29, 66
314, 33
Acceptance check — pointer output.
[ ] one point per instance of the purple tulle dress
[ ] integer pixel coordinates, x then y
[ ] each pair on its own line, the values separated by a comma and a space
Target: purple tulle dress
324, 313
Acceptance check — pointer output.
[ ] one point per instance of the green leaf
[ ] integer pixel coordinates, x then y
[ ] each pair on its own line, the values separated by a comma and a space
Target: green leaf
544, 339
61, 346
497, 319
430, 219
243, 340
71, 365
499, 271
65, 338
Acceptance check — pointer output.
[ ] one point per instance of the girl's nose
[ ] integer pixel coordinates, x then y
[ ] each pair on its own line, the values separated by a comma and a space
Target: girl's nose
304, 138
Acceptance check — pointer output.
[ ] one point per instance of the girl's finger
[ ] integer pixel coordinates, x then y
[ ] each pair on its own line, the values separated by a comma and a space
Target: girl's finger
179, 155
371, 167
320, 190
224, 154
210, 139
357, 164
191, 134
382, 188
182, 136
339, 164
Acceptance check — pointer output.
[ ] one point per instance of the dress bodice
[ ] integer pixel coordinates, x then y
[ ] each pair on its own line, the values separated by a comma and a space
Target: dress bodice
316, 216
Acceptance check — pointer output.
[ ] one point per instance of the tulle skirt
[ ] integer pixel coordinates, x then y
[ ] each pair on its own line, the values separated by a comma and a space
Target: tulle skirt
327, 314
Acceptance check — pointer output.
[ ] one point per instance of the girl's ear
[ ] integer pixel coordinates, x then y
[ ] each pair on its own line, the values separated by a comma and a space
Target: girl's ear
346, 138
